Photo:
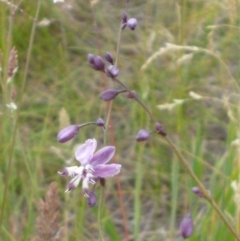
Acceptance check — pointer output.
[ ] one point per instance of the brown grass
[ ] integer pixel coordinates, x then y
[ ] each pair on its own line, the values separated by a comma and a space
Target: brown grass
47, 222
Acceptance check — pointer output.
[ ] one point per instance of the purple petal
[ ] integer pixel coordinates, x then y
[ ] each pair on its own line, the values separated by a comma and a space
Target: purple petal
106, 170
85, 152
73, 183
103, 155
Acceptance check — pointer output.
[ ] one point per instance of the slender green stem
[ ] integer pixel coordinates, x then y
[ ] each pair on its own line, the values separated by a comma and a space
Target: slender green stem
12, 144
99, 217
138, 100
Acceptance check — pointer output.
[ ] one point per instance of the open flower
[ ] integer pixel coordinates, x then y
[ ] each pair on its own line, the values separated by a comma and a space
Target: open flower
93, 166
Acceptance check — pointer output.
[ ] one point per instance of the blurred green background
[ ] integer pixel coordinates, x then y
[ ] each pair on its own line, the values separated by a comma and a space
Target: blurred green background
62, 89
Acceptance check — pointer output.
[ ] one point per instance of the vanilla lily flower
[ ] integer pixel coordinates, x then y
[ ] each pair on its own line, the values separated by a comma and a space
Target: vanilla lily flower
93, 166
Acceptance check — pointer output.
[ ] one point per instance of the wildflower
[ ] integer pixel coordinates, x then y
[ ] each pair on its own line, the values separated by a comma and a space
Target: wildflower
142, 135
92, 199
67, 133
186, 226
93, 166
132, 23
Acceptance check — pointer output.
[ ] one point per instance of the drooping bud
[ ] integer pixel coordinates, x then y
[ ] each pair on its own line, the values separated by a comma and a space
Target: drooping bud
112, 71
109, 58
132, 95
67, 133
142, 135
92, 199
99, 63
109, 94
132, 23
198, 192
100, 122
186, 226
160, 129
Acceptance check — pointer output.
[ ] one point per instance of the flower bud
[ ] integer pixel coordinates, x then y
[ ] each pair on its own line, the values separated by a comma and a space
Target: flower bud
160, 129
92, 199
132, 23
112, 71
109, 94
67, 133
142, 135
99, 63
124, 18
198, 192
100, 122
186, 226
132, 95
96, 62
109, 57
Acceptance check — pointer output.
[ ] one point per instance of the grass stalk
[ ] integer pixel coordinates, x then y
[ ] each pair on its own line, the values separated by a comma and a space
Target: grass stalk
15, 130
137, 194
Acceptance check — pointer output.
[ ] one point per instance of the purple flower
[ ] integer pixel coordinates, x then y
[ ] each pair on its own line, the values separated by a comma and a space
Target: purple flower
186, 226
132, 23
67, 133
93, 166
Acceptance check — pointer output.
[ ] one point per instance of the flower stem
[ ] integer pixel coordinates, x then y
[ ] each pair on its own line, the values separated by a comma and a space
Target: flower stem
99, 217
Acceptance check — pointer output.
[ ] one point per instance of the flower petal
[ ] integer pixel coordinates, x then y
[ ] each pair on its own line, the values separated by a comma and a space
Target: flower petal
73, 183
106, 170
102, 156
85, 152
68, 171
